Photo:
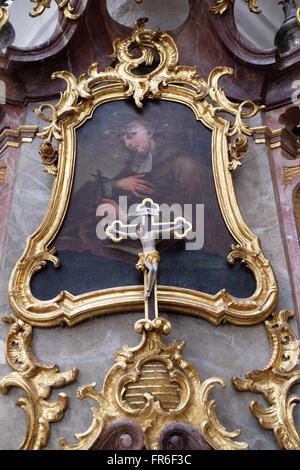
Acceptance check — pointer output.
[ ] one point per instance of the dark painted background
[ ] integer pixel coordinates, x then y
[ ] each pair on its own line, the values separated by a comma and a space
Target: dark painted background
182, 144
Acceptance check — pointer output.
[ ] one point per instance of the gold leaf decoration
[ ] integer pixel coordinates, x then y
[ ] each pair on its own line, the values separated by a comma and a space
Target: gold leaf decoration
275, 381
151, 407
64, 5
36, 379
16, 137
3, 171
223, 5
168, 81
49, 157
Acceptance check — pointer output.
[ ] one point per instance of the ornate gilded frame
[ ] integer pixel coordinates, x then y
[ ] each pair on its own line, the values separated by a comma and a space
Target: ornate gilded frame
168, 81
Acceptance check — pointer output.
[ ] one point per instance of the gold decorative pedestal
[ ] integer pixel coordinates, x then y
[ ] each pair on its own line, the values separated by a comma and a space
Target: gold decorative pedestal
153, 386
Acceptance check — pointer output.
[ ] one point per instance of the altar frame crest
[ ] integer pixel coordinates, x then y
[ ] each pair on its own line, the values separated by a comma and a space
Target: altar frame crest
168, 81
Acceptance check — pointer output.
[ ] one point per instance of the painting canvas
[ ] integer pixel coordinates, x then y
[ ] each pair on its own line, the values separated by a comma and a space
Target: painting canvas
124, 154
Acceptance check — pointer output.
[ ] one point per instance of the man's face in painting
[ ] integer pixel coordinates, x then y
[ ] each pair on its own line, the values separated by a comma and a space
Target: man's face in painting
137, 138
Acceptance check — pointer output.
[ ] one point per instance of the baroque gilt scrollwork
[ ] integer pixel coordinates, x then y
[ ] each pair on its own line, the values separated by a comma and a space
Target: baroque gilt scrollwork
153, 385
49, 157
223, 5
16, 137
36, 379
64, 5
275, 382
167, 81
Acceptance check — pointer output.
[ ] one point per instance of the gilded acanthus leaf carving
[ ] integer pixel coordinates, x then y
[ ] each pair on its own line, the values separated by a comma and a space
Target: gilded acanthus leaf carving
36, 379
4, 16
275, 382
151, 85
238, 131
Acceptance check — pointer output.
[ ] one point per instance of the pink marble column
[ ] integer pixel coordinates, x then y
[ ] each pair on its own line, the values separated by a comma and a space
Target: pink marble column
12, 117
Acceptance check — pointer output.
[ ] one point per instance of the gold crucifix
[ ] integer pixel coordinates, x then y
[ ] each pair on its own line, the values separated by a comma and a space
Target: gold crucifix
148, 230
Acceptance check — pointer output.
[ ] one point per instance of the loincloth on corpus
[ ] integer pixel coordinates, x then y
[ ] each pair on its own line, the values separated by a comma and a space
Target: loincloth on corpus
152, 257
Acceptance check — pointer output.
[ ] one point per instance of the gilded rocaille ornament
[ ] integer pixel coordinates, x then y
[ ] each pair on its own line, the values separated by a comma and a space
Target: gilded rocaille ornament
64, 5
275, 382
223, 5
167, 81
36, 379
153, 385
16, 137
49, 157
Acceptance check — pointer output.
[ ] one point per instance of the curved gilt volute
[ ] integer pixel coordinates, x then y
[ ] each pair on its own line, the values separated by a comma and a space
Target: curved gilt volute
36, 379
166, 81
275, 382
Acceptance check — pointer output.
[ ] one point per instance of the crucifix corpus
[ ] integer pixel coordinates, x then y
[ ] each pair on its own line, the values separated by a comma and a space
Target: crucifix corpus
148, 230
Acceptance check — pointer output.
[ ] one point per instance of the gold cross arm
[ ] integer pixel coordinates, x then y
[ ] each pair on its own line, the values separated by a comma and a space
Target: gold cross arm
124, 231
180, 227
117, 230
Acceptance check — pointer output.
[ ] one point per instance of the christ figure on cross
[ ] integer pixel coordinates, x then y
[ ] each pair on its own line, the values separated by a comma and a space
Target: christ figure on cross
147, 231
149, 258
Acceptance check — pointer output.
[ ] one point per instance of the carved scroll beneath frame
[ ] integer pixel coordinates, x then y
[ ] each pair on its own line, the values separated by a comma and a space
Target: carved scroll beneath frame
275, 381
170, 82
36, 379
